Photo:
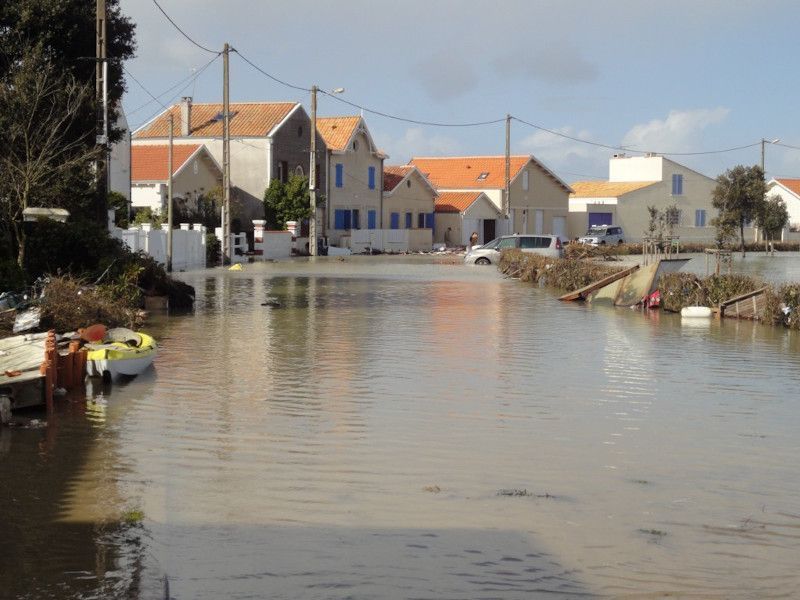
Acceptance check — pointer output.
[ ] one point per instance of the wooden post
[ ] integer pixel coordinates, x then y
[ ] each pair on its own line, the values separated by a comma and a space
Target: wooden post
49, 368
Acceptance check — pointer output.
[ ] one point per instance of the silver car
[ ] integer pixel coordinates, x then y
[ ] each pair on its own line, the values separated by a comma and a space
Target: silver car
601, 235
489, 254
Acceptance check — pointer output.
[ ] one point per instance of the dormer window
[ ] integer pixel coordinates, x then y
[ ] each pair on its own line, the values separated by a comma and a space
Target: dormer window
483, 175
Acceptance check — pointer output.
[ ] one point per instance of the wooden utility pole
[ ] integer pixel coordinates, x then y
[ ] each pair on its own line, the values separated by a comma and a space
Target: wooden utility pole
101, 94
226, 158
169, 196
507, 195
312, 177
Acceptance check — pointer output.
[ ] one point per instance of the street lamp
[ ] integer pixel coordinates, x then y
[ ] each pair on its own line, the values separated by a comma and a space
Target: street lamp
763, 142
312, 172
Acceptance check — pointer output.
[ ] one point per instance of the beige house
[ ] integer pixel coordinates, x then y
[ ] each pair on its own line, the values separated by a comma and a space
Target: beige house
538, 200
269, 140
354, 190
634, 184
459, 214
408, 198
194, 174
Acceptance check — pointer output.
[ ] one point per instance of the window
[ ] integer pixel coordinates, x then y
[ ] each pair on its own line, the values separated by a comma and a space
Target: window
348, 223
356, 222
395, 220
408, 183
483, 176
371, 219
409, 220
493, 244
421, 220
344, 218
316, 174
507, 243
339, 175
298, 170
700, 218
283, 171
338, 219
300, 131
531, 241
525, 180
355, 145
677, 184
429, 220
674, 217
371, 177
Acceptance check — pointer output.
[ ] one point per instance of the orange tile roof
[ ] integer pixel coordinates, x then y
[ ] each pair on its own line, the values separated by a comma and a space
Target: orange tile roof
455, 202
248, 119
337, 131
793, 185
606, 189
393, 175
149, 163
462, 172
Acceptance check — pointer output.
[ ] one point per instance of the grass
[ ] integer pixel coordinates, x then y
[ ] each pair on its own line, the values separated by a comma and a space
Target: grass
133, 516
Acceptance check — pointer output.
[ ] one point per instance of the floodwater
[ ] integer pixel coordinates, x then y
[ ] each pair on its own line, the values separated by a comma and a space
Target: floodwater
396, 428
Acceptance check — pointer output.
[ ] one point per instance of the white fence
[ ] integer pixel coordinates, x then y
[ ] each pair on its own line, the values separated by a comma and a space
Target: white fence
268, 244
388, 240
238, 245
188, 244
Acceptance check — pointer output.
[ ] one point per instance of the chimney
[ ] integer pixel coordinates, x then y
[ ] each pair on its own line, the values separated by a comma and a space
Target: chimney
186, 115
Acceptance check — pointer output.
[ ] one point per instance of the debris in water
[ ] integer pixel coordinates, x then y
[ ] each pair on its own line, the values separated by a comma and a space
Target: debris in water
433, 489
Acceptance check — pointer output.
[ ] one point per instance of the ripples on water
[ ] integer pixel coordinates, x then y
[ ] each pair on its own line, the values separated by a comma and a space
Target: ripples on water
351, 443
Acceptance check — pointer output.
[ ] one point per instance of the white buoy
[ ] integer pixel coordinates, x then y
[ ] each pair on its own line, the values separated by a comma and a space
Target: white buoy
696, 312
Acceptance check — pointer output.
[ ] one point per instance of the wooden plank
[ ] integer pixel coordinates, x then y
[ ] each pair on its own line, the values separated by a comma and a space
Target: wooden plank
582, 293
743, 297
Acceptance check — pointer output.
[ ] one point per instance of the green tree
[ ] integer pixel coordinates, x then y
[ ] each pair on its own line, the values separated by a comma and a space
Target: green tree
288, 201
739, 197
773, 217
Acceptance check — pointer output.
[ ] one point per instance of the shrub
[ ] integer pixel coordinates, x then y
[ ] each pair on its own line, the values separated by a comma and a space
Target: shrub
563, 273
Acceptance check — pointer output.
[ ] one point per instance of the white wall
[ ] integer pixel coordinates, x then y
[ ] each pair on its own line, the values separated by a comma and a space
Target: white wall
792, 203
148, 195
120, 164
636, 168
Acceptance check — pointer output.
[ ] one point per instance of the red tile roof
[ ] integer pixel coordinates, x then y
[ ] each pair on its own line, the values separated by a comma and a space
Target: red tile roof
248, 119
463, 172
337, 131
793, 185
149, 163
455, 202
393, 175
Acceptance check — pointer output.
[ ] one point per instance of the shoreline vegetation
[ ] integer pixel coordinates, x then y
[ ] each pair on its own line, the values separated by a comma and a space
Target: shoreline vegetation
678, 290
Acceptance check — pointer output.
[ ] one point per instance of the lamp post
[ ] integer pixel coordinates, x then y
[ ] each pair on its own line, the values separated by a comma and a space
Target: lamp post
763, 142
312, 171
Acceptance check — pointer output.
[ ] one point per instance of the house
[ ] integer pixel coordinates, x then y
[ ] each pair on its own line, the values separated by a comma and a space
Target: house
354, 177
538, 201
636, 183
789, 190
458, 214
195, 172
269, 140
119, 167
408, 203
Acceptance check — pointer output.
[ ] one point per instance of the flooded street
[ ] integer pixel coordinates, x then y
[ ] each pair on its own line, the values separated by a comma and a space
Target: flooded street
397, 428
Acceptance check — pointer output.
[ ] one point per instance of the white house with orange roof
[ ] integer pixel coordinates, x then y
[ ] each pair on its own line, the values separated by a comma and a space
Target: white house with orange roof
354, 189
538, 200
408, 203
194, 173
789, 190
637, 182
269, 140
459, 214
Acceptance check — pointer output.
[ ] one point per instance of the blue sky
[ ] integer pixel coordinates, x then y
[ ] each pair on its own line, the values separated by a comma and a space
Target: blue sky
676, 76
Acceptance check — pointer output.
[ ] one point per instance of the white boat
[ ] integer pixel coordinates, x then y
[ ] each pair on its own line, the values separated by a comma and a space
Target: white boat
122, 353
696, 312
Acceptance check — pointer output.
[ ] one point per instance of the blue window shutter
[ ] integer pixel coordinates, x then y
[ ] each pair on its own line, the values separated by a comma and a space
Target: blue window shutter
677, 184
338, 218
429, 220
346, 219
371, 219
408, 220
395, 221
339, 174
371, 173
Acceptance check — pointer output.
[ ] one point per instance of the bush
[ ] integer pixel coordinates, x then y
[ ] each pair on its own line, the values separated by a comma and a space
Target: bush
679, 290
69, 304
12, 278
563, 273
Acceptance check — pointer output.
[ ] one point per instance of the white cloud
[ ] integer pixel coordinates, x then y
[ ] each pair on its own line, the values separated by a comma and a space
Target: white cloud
416, 142
570, 159
681, 131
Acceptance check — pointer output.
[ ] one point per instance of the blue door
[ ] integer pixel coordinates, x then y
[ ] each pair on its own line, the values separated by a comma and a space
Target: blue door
395, 221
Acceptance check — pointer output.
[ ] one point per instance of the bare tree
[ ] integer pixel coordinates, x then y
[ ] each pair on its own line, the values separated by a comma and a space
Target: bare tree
43, 153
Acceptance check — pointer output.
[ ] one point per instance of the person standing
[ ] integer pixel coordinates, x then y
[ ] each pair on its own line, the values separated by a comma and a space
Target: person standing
473, 241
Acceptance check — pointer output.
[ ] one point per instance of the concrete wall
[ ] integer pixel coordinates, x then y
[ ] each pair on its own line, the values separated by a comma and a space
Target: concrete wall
355, 192
636, 168
416, 198
149, 195
188, 244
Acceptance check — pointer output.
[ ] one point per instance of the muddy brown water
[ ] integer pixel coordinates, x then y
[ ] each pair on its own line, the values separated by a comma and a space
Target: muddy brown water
402, 429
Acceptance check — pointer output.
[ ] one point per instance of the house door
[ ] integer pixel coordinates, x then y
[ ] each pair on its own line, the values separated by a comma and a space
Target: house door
560, 227
488, 230
538, 223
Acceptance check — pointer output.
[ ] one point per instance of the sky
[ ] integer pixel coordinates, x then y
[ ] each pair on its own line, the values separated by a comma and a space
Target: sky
681, 76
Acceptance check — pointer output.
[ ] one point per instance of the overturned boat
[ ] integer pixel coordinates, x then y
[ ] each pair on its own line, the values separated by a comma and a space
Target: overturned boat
122, 352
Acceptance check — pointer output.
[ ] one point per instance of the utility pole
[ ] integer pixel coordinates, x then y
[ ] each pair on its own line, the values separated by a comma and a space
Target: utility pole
507, 197
226, 158
101, 94
169, 197
312, 177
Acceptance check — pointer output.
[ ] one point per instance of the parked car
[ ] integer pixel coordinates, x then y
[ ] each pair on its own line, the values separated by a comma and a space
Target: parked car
489, 254
600, 235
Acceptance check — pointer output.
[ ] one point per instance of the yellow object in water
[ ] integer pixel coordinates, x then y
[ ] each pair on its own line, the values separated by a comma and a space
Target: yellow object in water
236, 267
127, 355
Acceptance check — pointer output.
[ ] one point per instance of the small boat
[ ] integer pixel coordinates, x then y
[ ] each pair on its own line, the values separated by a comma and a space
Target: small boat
121, 353
696, 312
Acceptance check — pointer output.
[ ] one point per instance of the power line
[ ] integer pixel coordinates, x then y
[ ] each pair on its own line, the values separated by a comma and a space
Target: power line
192, 76
263, 72
183, 33
569, 137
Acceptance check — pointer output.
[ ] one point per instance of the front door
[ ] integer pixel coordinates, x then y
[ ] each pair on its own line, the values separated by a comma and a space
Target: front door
488, 230
538, 224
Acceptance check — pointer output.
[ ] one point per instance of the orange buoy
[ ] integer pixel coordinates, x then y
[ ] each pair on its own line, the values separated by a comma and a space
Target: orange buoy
94, 333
